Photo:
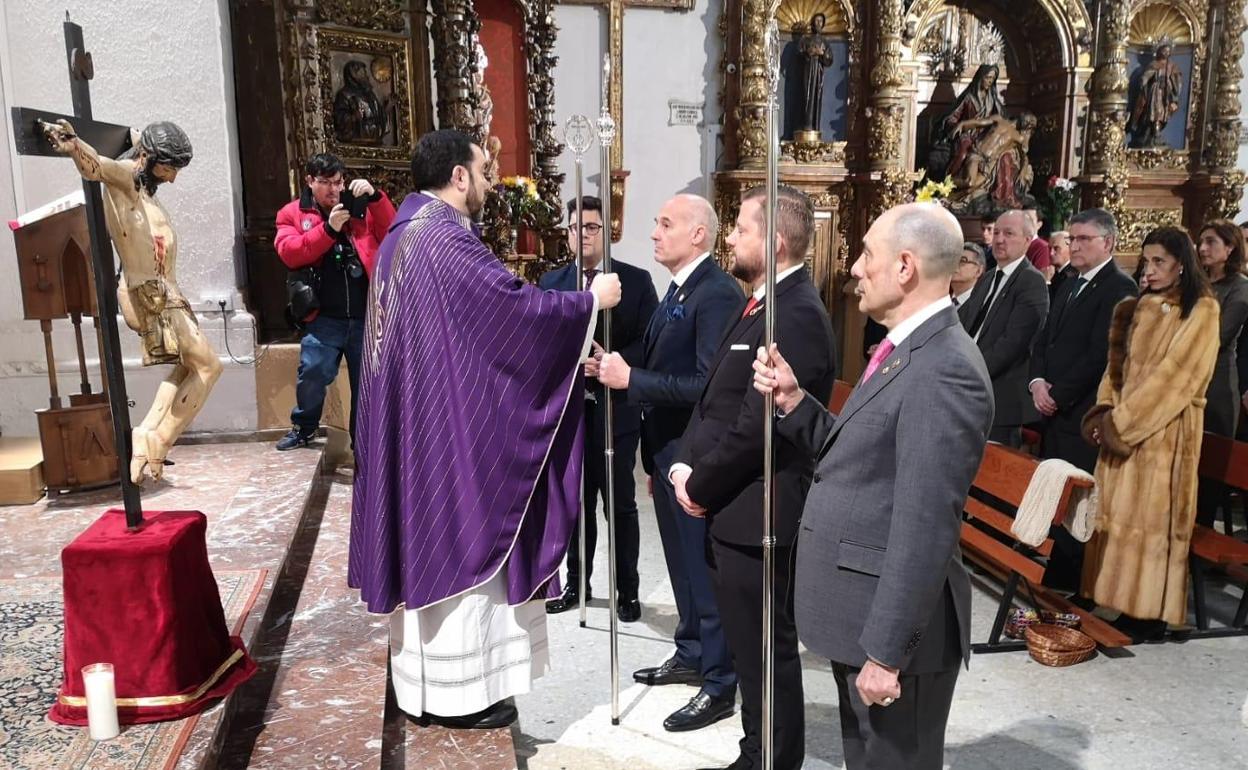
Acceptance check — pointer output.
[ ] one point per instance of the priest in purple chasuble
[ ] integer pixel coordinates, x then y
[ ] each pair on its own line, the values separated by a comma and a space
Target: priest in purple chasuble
467, 448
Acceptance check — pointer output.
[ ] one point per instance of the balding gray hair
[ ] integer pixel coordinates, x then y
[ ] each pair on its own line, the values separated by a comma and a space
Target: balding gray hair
1028, 226
931, 233
702, 213
1099, 218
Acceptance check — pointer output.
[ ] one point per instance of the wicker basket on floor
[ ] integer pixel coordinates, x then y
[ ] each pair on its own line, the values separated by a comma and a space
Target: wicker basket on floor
1058, 646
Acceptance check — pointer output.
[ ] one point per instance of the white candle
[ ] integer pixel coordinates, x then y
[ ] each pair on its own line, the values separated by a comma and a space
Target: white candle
97, 679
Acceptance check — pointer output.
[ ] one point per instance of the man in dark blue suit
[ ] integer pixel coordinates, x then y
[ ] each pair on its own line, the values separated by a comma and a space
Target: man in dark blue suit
678, 347
628, 325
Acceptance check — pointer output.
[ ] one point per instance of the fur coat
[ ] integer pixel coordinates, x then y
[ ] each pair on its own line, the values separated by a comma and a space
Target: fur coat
1150, 415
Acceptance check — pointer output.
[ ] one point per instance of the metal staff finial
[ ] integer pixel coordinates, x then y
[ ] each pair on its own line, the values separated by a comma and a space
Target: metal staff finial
606, 135
769, 471
578, 136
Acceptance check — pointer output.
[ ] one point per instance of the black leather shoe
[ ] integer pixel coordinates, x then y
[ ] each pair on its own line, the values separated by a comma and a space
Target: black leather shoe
669, 672
700, 711
501, 714
628, 610
568, 600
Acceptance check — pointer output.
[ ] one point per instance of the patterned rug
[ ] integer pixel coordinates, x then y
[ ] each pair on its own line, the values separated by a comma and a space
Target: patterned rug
31, 630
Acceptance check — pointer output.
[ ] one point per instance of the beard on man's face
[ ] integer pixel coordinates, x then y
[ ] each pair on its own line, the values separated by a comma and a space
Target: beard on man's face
145, 176
742, 270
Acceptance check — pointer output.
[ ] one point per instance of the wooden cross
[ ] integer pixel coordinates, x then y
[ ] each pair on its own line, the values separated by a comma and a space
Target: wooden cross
110, 140
615, 47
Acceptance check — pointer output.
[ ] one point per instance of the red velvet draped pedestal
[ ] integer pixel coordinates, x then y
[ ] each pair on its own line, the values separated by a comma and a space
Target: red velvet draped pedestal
146, 602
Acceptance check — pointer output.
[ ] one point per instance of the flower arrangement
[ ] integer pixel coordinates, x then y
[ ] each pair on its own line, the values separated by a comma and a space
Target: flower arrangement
931, 190
525, 205
1057, 203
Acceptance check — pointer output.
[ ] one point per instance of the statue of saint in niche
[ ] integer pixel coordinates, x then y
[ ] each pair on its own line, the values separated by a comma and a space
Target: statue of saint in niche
816, 57
359, 115
997, 175
962, 128
1160, 81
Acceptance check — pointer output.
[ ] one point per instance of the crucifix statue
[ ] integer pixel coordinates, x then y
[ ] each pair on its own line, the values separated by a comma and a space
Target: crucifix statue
149, 297
130, 166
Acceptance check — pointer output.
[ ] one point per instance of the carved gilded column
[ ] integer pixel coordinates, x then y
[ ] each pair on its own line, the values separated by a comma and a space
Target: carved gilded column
752, 105
539, 44
455, 24
886, 109
1222, 146
1106, 151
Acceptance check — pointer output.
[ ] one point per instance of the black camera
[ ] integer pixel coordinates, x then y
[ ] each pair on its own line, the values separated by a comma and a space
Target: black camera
357, 206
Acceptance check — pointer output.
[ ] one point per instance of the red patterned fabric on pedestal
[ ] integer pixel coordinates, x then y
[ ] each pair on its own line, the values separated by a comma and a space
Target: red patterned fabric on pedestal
146, 602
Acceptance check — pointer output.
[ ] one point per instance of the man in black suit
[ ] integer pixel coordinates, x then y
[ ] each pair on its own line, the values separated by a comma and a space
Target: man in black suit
1069, 359
1059, 247
679, 343
880, 587
628, 324
1004, 315
719, 470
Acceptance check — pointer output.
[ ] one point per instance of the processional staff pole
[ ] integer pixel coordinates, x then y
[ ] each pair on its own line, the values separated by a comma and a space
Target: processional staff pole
578, 135
606, 135
769, 470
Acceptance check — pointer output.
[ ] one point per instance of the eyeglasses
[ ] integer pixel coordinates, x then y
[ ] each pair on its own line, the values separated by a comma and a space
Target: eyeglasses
967, 261
1086, 238
591, 228
335, 183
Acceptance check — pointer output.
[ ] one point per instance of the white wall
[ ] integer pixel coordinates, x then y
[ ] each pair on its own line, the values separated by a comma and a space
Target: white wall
154, 60
667, 55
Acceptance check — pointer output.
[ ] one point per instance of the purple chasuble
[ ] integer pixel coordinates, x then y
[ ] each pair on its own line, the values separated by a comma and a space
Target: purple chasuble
467, 430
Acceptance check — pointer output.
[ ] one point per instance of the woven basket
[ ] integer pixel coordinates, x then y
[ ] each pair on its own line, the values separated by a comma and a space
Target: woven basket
1052, 645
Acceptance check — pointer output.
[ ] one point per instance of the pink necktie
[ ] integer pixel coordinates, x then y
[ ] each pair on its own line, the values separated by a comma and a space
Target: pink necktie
881, 352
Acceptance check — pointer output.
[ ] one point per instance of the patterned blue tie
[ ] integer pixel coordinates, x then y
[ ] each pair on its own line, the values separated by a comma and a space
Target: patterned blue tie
671, 292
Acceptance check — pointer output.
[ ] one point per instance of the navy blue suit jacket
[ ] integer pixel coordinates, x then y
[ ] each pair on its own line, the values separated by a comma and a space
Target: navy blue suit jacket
628, 325
678, 346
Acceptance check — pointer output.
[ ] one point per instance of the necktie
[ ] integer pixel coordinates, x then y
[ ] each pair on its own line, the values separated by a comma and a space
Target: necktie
589, 276
671, 292
982, 315
881, 352
749, 306
1080, 282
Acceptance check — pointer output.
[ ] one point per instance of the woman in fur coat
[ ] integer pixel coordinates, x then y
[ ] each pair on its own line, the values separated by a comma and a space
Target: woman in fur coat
1149, 421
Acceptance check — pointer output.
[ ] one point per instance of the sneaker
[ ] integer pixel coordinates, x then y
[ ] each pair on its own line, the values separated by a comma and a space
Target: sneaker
296, 438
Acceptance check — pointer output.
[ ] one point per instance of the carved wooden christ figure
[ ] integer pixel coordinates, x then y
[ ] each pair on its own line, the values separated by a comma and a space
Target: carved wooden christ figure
360, 117
148, 293
997, 174
1160, 80
816, 57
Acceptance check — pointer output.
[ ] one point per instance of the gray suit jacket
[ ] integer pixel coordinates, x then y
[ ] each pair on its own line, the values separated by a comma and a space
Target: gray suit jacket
1013, 326
879, 570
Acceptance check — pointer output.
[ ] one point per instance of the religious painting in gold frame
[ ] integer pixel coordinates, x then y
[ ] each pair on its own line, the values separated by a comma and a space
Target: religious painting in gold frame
365, 94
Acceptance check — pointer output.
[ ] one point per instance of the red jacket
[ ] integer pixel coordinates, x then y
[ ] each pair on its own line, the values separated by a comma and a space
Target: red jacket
303, 239
1039, 253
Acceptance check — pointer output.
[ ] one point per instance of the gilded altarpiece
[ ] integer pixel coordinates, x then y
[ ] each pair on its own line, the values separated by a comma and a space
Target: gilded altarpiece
1077, 71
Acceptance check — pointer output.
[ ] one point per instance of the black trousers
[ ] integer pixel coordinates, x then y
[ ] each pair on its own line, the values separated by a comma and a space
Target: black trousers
906, 735
1065, 568
627, 535
737, 574
1009, 435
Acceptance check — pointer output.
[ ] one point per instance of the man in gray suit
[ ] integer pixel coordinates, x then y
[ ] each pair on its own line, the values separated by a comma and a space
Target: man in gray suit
1004, 316
880, 586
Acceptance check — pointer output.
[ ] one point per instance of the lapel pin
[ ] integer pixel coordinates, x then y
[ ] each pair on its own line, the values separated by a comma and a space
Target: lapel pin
681, 298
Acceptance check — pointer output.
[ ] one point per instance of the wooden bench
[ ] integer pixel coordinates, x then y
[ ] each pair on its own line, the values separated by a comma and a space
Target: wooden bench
996, 493
1222, 460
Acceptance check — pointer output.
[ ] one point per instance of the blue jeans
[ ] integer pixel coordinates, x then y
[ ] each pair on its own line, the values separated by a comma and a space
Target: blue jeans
325, 342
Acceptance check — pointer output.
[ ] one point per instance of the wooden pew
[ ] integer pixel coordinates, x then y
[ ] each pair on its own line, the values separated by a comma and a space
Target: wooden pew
1224, 460
996, 492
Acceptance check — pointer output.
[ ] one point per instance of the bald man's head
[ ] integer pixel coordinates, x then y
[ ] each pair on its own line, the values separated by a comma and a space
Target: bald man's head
908, 256
1012, 236
685, 228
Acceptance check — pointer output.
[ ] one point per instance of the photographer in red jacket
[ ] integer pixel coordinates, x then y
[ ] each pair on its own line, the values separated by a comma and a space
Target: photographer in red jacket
328, 238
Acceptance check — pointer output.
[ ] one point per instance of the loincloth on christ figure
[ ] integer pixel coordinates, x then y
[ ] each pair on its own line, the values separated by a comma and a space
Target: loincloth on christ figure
154, 308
